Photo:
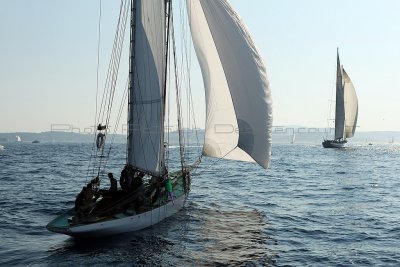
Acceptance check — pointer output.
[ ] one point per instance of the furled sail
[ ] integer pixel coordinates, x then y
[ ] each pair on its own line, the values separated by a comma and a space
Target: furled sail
351, 106
339, 113
238, 97
146, 118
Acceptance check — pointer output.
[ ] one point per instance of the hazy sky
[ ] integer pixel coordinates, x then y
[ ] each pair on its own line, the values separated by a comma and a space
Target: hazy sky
48, 59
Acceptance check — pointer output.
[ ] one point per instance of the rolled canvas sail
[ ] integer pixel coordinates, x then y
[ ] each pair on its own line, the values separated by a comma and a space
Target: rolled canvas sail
339, 113
145, 122
238, 97
351, 106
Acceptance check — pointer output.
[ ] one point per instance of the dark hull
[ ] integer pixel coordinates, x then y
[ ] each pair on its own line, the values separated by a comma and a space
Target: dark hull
334, 143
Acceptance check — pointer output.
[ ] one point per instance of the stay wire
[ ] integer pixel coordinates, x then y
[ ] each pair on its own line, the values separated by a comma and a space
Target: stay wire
178, 102
112, 69
121, 38
121, 108
97, 88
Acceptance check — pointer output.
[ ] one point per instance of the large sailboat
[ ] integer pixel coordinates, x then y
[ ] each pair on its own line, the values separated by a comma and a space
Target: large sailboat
346, 109
237, 97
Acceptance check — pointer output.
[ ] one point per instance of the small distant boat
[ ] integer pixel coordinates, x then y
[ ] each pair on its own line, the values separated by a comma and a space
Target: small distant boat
391, 141
17, 138
1, 147
35, 142
293, 138
346, 109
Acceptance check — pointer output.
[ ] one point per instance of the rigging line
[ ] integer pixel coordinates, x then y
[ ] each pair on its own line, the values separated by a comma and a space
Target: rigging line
97, 86
117, 64
113, 68
332, 89
197, 166
110, 70
112, 93
183, 58
168, 21
169, 102
115, 76
191, 112
187, 83
188, 61
112, 64
189, 87
121, 108
122, 105
181, 139
118, 50
156, 35
167, 58
98, 59
190, 100
128, 123
132, 63
116, 68
218, 159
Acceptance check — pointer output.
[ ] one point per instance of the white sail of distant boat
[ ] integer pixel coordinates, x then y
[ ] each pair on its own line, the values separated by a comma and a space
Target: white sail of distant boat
346, 111
18, 138
1, 147
293, 138
237, 94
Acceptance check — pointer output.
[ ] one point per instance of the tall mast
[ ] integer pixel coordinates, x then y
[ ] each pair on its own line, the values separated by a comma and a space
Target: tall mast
339, 113
131, 76
168, 21
168, 3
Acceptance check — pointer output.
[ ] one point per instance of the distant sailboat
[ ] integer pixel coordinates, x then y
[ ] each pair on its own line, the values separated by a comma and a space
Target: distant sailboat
293, 138
237, 94
1, 147
17, 138
391, 141
346, 109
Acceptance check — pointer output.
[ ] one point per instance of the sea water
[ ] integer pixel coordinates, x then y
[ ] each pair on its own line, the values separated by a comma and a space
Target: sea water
313, 207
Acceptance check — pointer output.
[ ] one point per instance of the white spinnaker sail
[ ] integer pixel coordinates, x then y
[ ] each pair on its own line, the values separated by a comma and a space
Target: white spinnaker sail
146, 118
238, 97
350, 106
339, 111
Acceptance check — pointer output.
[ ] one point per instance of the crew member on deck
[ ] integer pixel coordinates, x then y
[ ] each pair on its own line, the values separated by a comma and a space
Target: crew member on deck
80, 198
123, 180
113, 183
90, 198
